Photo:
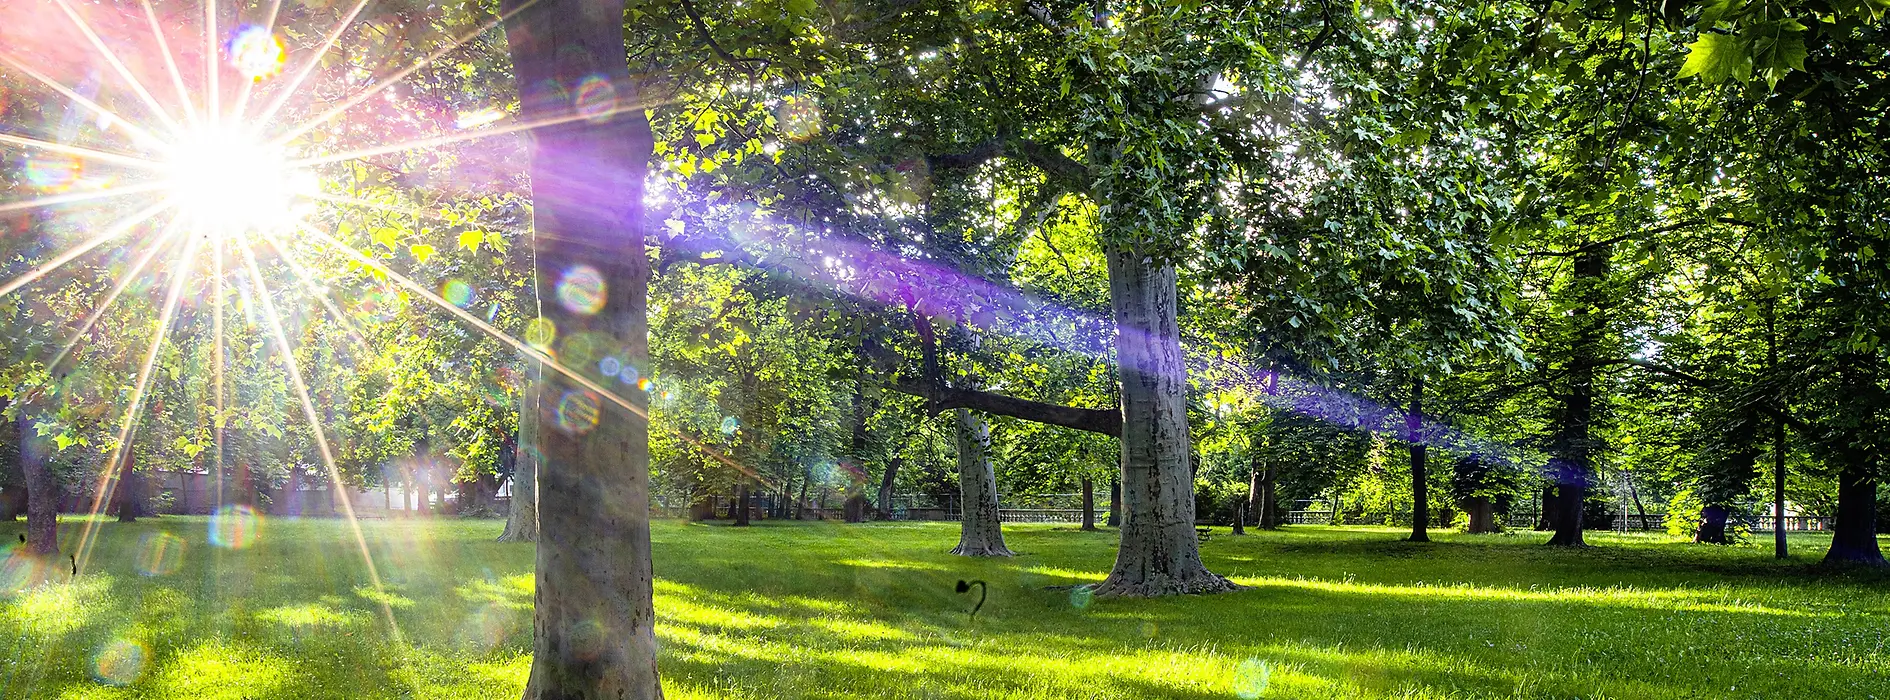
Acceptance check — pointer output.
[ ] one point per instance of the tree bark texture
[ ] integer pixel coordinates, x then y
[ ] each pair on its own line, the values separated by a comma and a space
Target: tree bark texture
128, 489
1420, 454
521, 524
980, 532
593, 617
42, 493
1482, 515
886, 482
1854, 534
741, 504
1573, 447
1159, 553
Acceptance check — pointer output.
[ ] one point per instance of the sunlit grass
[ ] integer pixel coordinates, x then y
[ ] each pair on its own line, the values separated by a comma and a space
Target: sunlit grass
786, 610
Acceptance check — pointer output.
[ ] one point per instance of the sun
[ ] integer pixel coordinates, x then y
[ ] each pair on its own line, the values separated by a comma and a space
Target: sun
228, 180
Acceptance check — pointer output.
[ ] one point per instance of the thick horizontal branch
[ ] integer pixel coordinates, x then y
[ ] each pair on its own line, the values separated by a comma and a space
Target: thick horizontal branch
944, 398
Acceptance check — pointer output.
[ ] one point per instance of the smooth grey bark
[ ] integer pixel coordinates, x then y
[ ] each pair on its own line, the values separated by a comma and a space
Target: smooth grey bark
980, 533
1159, 553
521, 525
593, 615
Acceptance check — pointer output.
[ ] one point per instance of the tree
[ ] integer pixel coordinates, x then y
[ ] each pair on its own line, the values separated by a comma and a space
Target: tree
593, 616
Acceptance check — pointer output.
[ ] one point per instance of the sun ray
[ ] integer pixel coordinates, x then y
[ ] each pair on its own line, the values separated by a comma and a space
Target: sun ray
111, 297
449, 139
93, 154
294, 369
115, 231
126, 429
534, 354
170, 63
318, 290
59, 199
217, 364
111, 58
131, 128
249, 85
297, 132
314, 61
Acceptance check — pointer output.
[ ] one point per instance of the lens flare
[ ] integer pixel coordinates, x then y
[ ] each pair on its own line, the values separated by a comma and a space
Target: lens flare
799, 118
540, 333
256, 53
577, 412
1251, 678
610, 366
479, 118
235, 527
457, 292
21, 571
628, 374
731, 425
581, 290
52, 172
160, 554
1081, 597
596, 99
119, 662
227, 180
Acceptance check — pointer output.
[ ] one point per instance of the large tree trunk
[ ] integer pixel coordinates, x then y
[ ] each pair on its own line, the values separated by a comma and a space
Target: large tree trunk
800, 504
1240, 517
886, 482
980, 533
521, 524
1089, 504
1115, 503
1573, 447
128, 496
1159, 552
42, 494
593, 621
1420, 485
1482, 515
1712, 528
741, 505
1270, 498
1854, 534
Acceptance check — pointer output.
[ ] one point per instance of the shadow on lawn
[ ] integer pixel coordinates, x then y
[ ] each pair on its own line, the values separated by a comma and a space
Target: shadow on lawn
785, 610
902, 632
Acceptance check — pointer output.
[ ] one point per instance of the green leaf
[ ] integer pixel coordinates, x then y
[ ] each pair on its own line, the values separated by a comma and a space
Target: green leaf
1778, 48
470, 239
1717, 58
387, 237
421, 251
1714, 11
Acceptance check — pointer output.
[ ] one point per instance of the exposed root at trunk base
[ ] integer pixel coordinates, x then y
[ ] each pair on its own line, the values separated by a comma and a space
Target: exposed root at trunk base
965, 550
1202, 584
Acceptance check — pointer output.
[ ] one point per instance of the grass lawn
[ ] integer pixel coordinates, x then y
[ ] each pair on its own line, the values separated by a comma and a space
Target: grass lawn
794, 610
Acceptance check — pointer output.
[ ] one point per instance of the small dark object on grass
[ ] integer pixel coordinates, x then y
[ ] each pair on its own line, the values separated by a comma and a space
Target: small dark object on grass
965, 587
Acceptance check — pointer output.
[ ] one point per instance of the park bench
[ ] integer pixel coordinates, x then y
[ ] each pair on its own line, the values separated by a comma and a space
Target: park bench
1204, 533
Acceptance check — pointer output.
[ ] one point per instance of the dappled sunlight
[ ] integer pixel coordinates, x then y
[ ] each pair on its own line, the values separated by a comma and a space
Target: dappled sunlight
57, 608
312, 616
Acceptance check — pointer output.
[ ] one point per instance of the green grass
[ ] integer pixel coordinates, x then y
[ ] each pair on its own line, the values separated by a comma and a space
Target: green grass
790, 610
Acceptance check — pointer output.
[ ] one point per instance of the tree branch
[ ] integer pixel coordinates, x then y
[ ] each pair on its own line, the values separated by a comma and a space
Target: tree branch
702, 29
943, 398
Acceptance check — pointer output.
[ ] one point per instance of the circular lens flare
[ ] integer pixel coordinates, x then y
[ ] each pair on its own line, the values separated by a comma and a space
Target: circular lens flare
256, 53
